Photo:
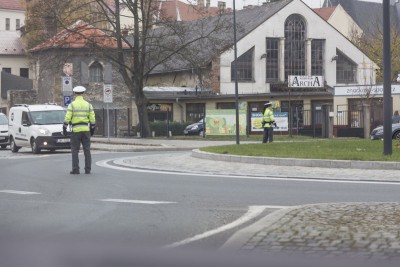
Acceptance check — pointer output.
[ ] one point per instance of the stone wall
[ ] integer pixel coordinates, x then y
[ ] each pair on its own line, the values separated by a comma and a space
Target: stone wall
50, 87
21, 97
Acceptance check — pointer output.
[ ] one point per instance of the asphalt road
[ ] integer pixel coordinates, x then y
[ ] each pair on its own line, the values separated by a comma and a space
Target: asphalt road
39, 199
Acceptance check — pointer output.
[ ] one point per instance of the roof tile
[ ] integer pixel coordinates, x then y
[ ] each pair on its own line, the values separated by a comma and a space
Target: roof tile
79, 35
12, 4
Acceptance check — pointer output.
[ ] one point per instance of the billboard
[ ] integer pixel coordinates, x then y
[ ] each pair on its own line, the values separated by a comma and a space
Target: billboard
223, 122
281, 119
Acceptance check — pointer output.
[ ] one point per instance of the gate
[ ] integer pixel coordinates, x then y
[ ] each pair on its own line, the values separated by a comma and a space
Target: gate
114, 123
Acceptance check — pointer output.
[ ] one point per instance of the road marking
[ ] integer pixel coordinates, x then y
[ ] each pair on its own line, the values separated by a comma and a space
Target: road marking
148, 202
106, 164
253, 212
19, 192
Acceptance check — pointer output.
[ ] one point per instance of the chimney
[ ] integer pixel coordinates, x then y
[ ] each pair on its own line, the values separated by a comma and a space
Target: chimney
221, 5
208, 4
200, 3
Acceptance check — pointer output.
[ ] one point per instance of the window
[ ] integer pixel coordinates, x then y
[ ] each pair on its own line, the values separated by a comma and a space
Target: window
317, 57
17, 24
345, 69
244, 67
272, 59
96, 72
25, 119
7, 24
295, 46
8, 70
24, 72
160, 112
194, 112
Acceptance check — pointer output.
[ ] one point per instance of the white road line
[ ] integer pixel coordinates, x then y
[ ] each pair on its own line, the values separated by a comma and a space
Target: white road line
19, 192
105, 164
137, 201
253, 212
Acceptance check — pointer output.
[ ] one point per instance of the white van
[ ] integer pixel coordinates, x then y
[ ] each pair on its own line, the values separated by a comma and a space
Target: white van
38, 127
4, 141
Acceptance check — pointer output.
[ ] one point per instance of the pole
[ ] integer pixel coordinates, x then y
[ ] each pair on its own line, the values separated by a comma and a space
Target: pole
387, 98
108, 124
235, 72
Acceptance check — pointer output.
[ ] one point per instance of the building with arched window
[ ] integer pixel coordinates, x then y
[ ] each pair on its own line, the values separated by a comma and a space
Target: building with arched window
277, 43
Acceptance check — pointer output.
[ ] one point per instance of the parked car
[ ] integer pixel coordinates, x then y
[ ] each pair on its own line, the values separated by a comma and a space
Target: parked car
377, 133
195, 128
4, 141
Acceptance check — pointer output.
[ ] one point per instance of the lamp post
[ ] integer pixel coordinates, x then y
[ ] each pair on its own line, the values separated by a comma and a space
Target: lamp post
235, 72
387, 98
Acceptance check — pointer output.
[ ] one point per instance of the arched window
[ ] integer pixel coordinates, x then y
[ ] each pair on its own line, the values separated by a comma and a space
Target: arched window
295, 46
96, 72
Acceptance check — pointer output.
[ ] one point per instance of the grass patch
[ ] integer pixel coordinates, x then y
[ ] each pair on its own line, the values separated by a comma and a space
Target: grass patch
339, 149
242, 138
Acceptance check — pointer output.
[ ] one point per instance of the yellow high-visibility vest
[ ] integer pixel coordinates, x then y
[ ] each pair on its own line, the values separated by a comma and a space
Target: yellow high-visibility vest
79, 115
268, 117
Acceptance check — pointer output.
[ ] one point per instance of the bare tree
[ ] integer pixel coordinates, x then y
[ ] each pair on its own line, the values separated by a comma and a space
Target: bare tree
371, 43
151, 42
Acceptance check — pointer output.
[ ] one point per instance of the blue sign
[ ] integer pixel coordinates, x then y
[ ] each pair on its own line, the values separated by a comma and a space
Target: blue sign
67, 100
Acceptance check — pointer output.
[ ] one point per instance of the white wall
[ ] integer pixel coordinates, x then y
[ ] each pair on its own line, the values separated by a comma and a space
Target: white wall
15, 63
317, 28
342, 21
13, 15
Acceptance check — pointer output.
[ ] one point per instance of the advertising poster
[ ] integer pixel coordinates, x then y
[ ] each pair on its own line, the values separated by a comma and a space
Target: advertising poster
281, 119
223, 122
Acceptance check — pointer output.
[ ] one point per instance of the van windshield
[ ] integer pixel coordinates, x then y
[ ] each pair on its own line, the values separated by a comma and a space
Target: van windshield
3, 120
48, 117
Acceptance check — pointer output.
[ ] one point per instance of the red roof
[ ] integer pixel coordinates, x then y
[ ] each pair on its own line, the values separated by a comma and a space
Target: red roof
175, 9
79, 35
325, 12
12, 4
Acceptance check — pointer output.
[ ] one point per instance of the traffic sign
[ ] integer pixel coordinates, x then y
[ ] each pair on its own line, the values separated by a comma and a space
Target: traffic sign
67, 84
108, 93
67, 100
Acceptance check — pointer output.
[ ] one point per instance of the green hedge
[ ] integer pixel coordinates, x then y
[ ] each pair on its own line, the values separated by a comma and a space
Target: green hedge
160, 127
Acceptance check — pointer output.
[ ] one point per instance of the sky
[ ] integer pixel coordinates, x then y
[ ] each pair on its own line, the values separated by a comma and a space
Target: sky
240, 3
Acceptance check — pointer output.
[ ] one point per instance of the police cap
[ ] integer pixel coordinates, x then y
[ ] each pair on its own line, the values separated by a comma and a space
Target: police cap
79, 89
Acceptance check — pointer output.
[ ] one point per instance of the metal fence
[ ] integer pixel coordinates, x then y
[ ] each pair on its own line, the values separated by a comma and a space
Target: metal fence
352, 119
113, 122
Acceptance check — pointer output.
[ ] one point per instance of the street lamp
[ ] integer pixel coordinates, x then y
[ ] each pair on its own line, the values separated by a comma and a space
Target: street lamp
235, 72
387, 94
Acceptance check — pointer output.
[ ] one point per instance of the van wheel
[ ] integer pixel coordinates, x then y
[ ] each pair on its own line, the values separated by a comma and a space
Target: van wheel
3, 146
13, 146
34, 146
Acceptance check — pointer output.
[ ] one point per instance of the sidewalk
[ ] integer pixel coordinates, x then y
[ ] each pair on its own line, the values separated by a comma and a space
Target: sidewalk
365, 230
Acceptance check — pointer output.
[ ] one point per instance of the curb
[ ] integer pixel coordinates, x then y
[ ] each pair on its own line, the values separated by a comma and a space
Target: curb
322, 163
239, 238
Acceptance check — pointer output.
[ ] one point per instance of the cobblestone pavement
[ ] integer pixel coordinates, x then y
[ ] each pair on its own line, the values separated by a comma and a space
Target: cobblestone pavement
355, 230
362, 230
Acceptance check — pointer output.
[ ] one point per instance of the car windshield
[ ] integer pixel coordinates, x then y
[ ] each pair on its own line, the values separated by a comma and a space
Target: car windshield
3, 120
48, 117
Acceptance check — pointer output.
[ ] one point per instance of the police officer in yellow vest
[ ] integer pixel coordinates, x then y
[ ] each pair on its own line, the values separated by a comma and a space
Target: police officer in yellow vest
81, 118
268, 121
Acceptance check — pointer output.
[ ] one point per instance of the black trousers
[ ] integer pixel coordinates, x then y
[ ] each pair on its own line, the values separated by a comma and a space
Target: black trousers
268, 134
76, 140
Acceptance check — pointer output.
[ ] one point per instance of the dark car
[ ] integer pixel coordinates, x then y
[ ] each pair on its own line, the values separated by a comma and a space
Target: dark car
195, 128
4, 141
377, 133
